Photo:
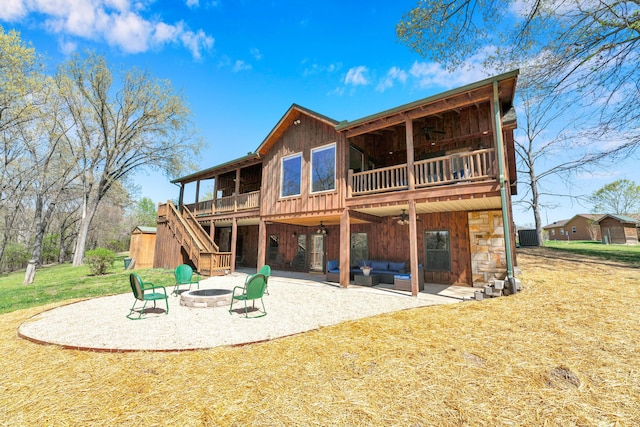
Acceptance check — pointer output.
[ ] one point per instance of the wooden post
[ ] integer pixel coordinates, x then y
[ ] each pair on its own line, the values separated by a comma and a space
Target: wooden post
237, 191
410, 157
197, 194
345, 248
234, 240
215, 195
413, 248
181, 196
262, 243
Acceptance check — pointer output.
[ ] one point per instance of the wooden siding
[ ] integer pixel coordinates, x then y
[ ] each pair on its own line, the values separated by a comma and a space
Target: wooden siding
142, 249
389, 241
302, 138
616, 232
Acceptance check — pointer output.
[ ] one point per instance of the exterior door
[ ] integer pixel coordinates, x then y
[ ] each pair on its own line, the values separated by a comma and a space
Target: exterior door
317, 252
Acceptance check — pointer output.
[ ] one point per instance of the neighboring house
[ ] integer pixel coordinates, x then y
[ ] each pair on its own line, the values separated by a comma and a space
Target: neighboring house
580, 227
619, 229
427, 183
142, 246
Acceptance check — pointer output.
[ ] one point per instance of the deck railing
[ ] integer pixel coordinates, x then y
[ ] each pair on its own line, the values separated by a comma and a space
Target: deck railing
470, 166
240, 202
379, 180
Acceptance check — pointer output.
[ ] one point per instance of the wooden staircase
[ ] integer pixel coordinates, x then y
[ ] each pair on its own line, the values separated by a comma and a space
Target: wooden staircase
198, 245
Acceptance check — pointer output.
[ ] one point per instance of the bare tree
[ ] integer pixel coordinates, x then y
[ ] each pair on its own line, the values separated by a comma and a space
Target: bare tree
51, 165
144, 123
580, 45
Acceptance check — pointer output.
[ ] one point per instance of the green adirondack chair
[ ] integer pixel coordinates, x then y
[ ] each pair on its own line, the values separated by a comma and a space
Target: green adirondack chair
252, 290
145, 292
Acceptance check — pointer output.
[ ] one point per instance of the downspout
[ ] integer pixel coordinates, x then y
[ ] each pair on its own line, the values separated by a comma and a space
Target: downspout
501, 177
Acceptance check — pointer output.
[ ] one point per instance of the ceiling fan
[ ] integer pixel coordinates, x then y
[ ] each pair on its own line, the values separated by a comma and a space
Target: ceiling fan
403, 219
429, 130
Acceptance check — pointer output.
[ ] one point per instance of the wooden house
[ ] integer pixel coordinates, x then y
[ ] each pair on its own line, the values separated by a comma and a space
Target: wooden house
579, 227
619, 229
427, 183
142, 247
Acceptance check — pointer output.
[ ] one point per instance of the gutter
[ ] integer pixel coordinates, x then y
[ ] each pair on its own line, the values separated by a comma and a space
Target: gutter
503, 189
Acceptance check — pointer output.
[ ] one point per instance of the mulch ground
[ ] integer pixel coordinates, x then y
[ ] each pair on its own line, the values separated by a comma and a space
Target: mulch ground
565, 351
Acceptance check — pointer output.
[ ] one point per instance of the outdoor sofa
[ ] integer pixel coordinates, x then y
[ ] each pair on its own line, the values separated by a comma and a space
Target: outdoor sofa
385, 269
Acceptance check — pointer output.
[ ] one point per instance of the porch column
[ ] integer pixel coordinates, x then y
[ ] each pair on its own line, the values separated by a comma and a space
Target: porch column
413, 248
181, 196
410, 172
502, 176
234, 239
237, 191
262, 243
214, 204
345, 248
197, 193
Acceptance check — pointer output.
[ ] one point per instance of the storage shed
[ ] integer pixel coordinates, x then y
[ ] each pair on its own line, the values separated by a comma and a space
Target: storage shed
142, 246
619, 229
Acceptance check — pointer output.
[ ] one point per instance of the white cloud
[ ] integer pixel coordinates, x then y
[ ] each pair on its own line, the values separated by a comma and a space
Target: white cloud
125, 24
394, 74
256, 54
241, 66
12, 10
357, 76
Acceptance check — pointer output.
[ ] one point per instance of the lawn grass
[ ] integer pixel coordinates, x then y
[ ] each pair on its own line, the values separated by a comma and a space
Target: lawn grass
629, 254
563, 352
64, 282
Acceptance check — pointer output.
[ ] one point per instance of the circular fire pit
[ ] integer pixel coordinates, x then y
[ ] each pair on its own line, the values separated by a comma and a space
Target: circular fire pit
206, 298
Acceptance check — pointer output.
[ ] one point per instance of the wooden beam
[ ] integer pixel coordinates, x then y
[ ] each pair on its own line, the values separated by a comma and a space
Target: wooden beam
413, 248
345, 248
365, 216
409, 141
262, 243
234, 240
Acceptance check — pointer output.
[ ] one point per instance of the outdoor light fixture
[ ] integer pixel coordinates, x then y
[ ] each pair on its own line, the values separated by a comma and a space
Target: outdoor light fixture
296, 122
322, 229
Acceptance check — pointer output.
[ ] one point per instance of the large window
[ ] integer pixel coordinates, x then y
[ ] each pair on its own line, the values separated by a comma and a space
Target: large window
323, 168
437, 250
359, 247
291, 175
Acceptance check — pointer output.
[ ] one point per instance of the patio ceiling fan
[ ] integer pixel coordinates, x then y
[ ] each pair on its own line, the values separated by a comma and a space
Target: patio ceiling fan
429, 130
403, 219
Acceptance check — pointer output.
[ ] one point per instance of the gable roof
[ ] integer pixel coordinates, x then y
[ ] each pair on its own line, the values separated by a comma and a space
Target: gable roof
465, 95
622, 218
557, 224
286, 121
145, 229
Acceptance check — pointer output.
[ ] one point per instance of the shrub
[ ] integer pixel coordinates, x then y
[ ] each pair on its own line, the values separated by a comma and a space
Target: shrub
99, 260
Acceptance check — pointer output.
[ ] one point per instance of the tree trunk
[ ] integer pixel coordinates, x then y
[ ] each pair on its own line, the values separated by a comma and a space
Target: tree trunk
535, 204
83, 232
42, 221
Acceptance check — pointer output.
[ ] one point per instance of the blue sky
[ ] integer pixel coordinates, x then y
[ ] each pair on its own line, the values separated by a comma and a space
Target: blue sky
241, 64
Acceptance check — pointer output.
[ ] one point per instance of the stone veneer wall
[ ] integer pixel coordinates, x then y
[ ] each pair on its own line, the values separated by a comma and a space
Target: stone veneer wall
488, 258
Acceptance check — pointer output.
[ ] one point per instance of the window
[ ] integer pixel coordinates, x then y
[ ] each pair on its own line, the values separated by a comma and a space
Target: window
359, 248
574, 229
323, 168
437, 252
273, 248
291, 173
553, 232
562, 231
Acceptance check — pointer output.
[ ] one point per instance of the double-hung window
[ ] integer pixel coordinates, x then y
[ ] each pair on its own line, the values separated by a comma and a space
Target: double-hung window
323, 168
291, 175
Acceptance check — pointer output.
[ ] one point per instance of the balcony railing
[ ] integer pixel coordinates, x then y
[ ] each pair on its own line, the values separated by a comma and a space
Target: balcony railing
226, 204
460, 167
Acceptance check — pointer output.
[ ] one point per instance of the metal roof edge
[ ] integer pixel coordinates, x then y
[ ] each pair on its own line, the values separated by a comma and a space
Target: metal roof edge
249, 156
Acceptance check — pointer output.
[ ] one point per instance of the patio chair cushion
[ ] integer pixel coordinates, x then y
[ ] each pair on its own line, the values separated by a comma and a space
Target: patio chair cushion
396, 266
380, 265
333, 266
